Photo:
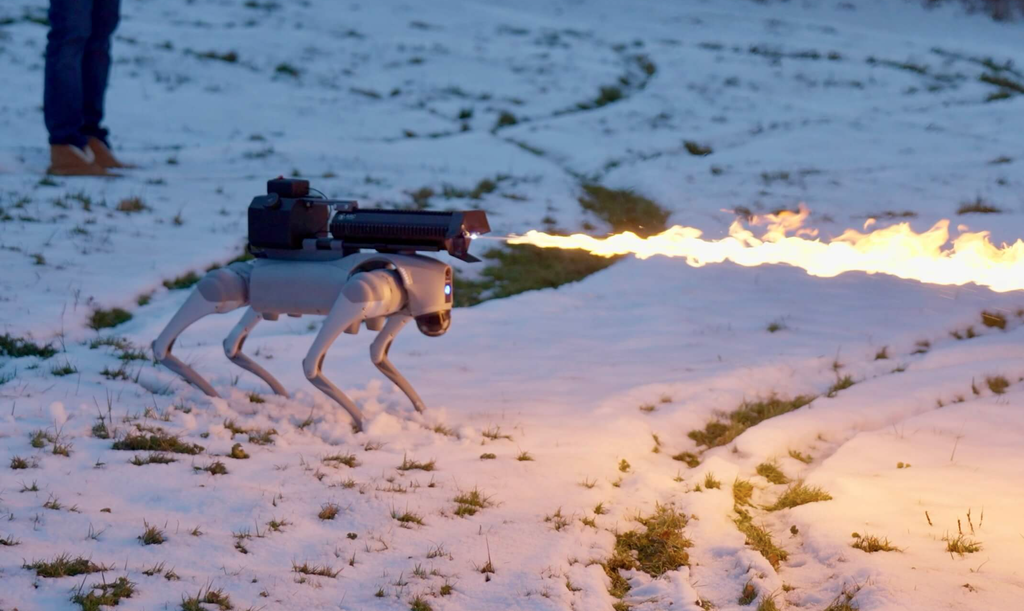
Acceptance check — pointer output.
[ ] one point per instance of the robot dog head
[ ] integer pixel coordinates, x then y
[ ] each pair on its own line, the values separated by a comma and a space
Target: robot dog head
428, 288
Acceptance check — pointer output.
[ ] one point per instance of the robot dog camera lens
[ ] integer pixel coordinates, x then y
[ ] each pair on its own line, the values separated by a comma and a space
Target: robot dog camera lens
434, 324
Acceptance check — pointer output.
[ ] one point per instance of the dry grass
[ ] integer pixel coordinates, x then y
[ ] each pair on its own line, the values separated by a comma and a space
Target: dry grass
411, 465
961, 545
872, 544
760, 539
770, 471
997, 384
993, 319
799, 494
978, 206
470, 502
207, 596
320, 570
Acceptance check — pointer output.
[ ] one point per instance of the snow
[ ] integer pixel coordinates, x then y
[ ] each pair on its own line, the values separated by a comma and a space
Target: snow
562, 372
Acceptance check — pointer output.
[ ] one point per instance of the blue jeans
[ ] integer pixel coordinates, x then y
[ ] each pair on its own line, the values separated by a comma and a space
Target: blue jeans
77, 68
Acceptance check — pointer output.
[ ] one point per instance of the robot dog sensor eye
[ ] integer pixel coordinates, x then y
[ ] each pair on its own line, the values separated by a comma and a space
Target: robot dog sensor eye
355, 266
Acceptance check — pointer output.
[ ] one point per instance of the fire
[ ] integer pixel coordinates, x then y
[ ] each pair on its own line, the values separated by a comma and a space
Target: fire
896, 250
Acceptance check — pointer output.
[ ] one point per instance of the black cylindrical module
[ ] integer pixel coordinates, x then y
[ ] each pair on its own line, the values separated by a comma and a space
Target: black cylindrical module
400, 230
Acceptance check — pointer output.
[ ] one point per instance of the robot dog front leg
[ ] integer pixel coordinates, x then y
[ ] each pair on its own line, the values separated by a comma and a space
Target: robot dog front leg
366, 295
219, 291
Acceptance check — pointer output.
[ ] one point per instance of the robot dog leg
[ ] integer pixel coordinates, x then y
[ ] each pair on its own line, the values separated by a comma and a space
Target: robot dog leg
219, 291
366, 295
379, 356
233, 350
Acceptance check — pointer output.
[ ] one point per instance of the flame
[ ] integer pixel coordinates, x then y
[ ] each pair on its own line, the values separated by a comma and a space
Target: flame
896, 250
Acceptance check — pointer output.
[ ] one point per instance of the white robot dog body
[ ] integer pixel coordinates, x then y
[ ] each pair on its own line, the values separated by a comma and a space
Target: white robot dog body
383, 290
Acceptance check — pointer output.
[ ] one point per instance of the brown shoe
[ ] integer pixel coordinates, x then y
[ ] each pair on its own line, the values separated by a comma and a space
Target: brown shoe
69, 160
104, 156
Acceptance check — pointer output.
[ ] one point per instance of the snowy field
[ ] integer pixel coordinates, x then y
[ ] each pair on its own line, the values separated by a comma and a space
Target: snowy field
562, 419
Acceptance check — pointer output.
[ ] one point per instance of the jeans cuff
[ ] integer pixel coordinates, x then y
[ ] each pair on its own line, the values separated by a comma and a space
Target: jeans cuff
95, 131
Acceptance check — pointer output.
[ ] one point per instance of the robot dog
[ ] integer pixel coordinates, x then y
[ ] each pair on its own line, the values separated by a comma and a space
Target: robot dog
309, 259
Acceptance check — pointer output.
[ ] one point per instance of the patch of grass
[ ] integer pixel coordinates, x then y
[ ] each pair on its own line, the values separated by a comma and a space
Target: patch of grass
155, 458
749, 413
151, 535
215, 468
520, 268
505, 119
524, 456
624, 210
349, 460
184, 281
993, 319
798, 455
229, 57
747, 594
742, 492
18, 347
488, 456
655, 549
207, 596
697, 149
65, 566
287, 69
407, 517
63, 370
758, 538
468, 503
105, 319
997, 384
420, 604
156, 441
841, 383
961, 545
18, 462
770, 471
320, 570
103, 594
978, 206
882, 354
691, 459
410, 465
767, 603
328, 511
494, 434
799, 494
872, 544
131, 205
238, 453
121, 373
9, 541
710, 482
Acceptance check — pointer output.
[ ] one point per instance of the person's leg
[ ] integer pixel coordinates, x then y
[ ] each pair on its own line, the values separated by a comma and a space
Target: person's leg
70, 27
96, 66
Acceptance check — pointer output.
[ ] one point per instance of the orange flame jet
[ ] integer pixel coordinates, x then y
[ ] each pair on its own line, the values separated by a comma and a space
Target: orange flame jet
896, 250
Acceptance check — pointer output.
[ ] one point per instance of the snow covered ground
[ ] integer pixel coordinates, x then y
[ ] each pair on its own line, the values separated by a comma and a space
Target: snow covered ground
861, 108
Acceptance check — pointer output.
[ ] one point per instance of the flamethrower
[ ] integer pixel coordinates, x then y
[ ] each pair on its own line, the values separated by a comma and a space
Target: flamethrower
310, 259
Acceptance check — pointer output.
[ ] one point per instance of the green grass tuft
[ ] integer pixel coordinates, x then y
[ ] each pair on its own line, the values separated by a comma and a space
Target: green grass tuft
156, 441
750, 413
103, 594
105, 319
183, 281
468, 503
18, 347
657, 548
207, 596
65, 566
997, 384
